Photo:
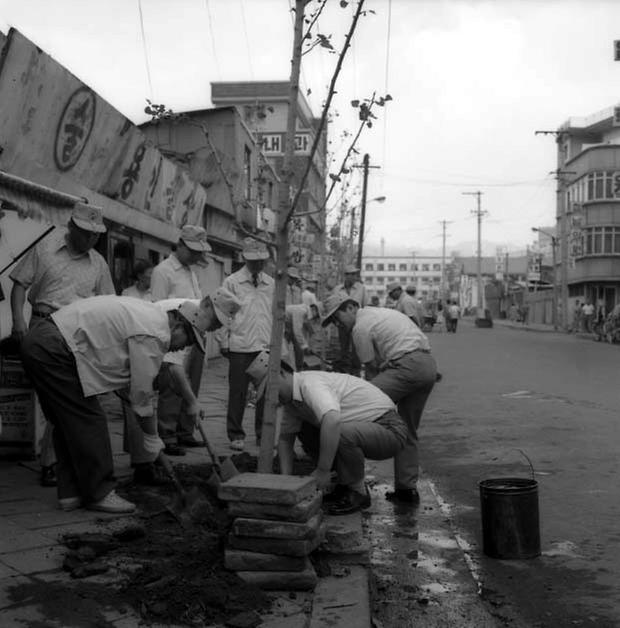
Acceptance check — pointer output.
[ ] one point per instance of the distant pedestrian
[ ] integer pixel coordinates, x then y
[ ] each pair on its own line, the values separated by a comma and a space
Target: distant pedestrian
577, 323
454, 312
249, 334
141, 286
64, 267
588, 316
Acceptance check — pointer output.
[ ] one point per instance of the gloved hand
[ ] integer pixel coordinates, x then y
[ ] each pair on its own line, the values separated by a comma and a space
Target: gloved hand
153, 444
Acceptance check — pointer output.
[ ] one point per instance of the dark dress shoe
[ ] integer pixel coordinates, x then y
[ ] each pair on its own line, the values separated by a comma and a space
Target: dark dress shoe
149, 475
403, 496
48, 476
174, 450
351, 501
190, 442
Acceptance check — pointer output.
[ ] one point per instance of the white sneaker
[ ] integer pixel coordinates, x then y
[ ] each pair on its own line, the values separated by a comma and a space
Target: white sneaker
237, 445
69, 503
112, 503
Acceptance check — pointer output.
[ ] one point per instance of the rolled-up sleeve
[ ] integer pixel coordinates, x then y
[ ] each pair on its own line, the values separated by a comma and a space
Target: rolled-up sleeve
145, 358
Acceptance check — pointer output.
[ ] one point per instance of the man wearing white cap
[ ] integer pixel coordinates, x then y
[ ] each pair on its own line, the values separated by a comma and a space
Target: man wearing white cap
175, 278
250, 333
217, 311
397, 358
59, 270
94, 346
349, 420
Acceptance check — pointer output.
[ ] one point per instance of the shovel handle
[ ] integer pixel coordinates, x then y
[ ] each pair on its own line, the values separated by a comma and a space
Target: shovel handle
167, 465
201, 429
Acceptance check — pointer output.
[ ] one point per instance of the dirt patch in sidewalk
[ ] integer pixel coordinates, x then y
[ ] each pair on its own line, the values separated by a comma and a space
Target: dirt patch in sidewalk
168, 572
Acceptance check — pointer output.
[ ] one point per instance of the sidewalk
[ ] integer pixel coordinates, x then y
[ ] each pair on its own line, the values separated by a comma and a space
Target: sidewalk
31, 526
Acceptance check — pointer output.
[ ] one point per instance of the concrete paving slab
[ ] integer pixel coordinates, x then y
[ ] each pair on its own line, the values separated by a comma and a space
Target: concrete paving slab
285, 547
305, 580
6, 571
8, 596
21, 506
302, 511
264, 528
242, 560
268, 488
342, 601
35, 560
50, 518
14, 537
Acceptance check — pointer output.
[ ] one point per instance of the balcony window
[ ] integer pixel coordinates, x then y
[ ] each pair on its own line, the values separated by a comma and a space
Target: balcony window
425, 267
600, 241
402, 279
402, 267
436, 266
369, 267
414, 267
380, 267
391, 267
380, 279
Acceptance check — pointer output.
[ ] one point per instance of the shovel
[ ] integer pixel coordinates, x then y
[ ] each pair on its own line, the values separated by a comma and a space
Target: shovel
221, 472
186, 506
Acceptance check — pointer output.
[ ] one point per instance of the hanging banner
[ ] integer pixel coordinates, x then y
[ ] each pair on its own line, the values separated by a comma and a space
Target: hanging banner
54, 126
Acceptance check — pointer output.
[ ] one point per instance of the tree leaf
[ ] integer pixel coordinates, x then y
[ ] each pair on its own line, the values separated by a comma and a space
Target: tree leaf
355, 103
344, 4
388, 97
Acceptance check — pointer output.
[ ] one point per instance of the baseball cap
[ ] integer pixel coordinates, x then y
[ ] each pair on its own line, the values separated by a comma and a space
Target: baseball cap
195, 238
257, 371
197, 318
225, 306
88, 217
333, 303
393, 286
254, 250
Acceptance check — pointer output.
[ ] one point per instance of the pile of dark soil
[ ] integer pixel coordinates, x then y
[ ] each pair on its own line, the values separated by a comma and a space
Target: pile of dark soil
172, 571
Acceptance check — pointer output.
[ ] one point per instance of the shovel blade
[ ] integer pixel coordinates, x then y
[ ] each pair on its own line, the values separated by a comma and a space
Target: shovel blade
228, 469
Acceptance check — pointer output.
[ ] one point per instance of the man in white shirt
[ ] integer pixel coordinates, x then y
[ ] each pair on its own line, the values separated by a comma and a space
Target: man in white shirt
397, 359
352, 420
405, 303
293, 289
174, 278
250, 333
93, 346
298, 319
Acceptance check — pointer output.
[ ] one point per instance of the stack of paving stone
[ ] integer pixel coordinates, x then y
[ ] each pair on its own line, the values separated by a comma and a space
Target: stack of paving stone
277, 522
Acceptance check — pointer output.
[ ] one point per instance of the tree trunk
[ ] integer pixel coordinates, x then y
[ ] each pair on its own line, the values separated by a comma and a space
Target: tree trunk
265, 459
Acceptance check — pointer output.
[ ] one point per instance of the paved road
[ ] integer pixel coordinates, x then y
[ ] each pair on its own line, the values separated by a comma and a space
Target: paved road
556, 398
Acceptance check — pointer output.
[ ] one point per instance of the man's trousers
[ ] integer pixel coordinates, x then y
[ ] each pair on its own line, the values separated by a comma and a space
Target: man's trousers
238, 382
408, 382
81, 439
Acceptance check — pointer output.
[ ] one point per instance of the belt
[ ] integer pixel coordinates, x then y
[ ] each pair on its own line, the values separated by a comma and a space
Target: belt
38, 314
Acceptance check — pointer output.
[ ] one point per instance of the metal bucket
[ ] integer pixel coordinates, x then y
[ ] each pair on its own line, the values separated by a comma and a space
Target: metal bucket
509, 510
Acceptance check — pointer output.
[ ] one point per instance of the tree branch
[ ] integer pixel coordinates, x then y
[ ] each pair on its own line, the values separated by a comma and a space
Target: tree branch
330, 96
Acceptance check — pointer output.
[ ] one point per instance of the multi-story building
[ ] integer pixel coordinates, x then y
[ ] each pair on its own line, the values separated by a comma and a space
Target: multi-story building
423, 272
263, 106
588, 210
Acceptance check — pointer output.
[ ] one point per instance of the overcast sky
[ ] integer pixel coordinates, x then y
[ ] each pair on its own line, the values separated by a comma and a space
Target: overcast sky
471, 81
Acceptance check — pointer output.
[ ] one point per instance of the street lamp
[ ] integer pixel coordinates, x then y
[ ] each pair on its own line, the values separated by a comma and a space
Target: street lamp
554, 244
360, 246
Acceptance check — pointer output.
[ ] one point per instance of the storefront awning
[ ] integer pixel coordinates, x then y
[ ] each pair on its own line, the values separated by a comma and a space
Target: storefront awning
34, 201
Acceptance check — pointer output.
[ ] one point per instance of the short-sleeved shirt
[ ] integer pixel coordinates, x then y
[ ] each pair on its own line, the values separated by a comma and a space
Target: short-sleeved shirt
251, 327
408, 306
56, 278
315, 393
170, 279
380, 335
118, 342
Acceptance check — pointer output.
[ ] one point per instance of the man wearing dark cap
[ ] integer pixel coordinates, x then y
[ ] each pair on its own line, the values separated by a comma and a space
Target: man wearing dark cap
59, 270
397, 359
249, 334
172, 278
405, 303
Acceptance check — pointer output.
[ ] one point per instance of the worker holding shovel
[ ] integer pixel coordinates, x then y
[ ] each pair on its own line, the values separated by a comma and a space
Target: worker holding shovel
97, 345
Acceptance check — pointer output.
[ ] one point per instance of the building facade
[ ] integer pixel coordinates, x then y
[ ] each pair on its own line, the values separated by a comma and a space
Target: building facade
588, 210
423, 272
263, 106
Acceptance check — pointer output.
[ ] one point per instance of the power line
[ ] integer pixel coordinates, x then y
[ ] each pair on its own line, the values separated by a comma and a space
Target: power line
213, 46
247, 41
146, 54
461, 184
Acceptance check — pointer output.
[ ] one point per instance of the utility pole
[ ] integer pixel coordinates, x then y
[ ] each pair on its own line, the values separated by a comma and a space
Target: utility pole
444, 224
365, 165
479, 213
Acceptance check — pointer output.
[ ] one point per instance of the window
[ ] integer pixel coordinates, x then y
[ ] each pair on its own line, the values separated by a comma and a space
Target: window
391, 267
380, 279
247, 172
436, 266
380, 267
369, 267
402, 279
599, 241
426, 267
367, 279
414, 267
402, 267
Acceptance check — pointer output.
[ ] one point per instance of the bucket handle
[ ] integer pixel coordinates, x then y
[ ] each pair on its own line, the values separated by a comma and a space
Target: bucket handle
528, 461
